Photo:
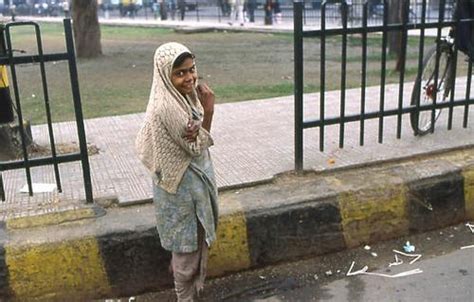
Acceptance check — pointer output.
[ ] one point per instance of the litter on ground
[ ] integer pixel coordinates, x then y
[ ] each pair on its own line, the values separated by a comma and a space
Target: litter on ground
416, 256
364, 271
470, 226
397, 261
409, 248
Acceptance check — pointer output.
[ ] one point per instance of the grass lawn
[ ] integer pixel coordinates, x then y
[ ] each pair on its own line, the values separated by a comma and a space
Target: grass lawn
238, 66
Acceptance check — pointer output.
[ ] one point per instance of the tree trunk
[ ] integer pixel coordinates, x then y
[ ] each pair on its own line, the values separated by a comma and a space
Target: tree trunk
395, 13
86, 28
10, 138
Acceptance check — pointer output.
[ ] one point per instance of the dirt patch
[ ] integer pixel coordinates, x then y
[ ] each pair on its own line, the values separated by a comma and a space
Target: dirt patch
36, 150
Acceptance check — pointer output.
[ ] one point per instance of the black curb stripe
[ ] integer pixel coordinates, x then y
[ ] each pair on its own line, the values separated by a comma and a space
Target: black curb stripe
5, 291
135, 262
444, 193
287, 233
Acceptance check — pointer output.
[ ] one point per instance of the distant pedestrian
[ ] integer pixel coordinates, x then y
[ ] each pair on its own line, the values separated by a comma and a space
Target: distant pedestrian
66, 9
163, 10
268, 12
277, 15
182, 9
172, 9
173, 145
251, 7
237, 11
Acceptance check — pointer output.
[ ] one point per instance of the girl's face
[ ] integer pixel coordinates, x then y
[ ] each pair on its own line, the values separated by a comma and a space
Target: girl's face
183, 77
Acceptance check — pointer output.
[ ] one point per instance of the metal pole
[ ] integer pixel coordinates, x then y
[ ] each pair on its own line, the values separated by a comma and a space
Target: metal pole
78, 110
47, 107
298, 57
364, 73
18, 108
322, 83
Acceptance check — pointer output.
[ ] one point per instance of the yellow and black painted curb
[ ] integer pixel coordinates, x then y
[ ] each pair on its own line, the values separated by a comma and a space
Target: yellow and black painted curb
258, 226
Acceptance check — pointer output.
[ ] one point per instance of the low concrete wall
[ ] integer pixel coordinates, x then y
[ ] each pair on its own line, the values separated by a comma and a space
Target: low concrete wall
119, 253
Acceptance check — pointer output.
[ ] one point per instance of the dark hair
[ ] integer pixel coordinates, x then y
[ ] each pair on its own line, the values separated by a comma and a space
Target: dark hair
181, 58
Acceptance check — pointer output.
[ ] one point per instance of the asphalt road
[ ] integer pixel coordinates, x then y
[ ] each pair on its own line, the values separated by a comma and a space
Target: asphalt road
447, 275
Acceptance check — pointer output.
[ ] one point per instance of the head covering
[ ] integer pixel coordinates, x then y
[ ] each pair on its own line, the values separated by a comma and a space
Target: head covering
162, 88
160, 143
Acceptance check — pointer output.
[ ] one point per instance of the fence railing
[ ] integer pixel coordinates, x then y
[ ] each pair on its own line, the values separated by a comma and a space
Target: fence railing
420, 103
219, 11
54, 159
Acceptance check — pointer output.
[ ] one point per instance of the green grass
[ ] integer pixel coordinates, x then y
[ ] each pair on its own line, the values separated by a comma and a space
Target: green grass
238, 66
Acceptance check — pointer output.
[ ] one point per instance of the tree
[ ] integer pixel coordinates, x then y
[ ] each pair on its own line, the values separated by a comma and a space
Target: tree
86, 28
395, 15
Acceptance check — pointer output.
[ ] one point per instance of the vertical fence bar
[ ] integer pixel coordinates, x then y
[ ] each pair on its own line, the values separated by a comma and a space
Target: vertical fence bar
451, 82
438, 56
364, 72
298, 57
322, 90
47, 107
421, 48
468, 94
469, 80
197, 11
383, 69
2, 189
304, 13
345, 15
402, 60
78, 110
219, 8
19, 112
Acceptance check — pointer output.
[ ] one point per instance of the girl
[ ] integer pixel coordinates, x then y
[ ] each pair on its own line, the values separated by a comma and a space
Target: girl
173, 144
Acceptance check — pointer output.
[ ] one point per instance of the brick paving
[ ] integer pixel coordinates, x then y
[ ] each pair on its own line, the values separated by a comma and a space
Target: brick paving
253, 142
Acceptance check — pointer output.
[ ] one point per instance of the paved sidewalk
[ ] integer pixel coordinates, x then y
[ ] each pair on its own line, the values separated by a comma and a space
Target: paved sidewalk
254, 140
211, 24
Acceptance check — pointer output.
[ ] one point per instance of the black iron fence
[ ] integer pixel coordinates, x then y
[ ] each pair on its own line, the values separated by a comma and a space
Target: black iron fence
433, 89
219, 11
26, 163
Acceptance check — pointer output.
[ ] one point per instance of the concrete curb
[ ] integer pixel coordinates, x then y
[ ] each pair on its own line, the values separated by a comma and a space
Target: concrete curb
294, 216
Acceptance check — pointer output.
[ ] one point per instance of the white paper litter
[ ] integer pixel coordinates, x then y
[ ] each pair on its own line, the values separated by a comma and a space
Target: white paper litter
470, 226
416, 256
397, 261
364, 271
39, 188
467, 247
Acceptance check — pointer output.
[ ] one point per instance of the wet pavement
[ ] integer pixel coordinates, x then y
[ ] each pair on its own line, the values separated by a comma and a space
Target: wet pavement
447, 275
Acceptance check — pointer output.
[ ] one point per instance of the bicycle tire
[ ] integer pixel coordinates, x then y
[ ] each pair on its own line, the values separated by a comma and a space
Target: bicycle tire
421, 122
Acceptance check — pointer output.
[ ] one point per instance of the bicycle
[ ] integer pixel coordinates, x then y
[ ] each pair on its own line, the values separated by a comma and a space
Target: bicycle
435, 88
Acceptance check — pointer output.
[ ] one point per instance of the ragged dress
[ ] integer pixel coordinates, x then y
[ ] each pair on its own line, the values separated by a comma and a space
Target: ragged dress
184, 189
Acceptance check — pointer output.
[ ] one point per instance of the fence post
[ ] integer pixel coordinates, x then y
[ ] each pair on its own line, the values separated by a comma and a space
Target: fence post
298, 57
78, 110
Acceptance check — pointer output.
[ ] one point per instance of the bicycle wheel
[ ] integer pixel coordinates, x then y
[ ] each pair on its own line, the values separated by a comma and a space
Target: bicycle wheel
421, 121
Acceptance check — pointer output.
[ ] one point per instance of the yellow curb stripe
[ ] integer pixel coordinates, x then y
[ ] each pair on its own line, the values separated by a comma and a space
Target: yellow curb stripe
371, 215
468, 175
230, 252
3, 77
49, 218
56, 270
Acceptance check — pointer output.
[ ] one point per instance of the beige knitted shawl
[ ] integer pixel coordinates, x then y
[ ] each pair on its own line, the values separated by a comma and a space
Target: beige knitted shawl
160, 143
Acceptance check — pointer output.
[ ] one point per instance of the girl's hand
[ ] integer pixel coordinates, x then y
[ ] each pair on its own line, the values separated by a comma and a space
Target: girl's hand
206, 97
192, 130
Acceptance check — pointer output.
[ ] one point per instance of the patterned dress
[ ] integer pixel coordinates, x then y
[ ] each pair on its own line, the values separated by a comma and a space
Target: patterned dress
178, 214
